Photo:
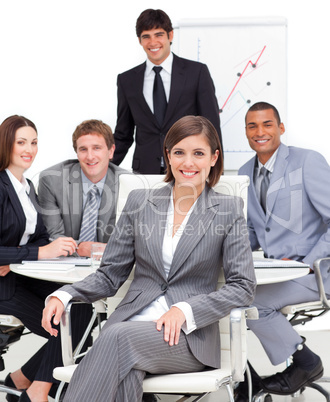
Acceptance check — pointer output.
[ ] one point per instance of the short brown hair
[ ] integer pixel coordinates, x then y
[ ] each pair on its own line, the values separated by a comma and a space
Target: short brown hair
8, 130
93, 127
153, 19
186, 127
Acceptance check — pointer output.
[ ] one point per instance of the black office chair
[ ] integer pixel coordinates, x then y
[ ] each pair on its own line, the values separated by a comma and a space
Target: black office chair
11, 330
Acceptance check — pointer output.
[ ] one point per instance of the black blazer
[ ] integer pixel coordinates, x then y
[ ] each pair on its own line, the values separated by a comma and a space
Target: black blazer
192, 93
12, 226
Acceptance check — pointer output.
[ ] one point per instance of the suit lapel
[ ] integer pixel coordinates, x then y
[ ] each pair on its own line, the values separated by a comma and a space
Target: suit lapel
178, 80
200, 219
155, 219
14, 200
73, 194
139, 80
107, 202
277, 179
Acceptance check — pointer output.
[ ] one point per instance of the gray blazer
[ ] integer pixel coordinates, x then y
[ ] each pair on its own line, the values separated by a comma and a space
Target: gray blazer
215, 236
297, 222
61, 200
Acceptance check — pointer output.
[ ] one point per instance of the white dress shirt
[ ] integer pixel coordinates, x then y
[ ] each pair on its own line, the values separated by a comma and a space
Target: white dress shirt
22, 189
149, 78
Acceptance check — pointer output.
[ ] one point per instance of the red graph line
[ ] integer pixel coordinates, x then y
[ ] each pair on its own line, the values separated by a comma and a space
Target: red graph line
241, 75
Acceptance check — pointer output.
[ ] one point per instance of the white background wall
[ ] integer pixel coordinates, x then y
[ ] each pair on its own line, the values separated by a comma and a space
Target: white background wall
59, 62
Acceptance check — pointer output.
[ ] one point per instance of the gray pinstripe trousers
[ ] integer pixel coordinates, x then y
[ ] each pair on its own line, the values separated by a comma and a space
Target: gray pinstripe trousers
114, 368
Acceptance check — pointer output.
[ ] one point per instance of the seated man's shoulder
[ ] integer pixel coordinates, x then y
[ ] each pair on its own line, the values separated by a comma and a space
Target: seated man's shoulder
118, 169
304, 156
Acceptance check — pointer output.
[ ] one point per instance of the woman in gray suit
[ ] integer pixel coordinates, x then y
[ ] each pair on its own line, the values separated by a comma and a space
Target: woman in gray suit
178, 237
23, 236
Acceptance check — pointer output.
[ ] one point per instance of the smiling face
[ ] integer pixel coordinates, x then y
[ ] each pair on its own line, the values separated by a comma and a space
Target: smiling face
191, 160
263, 132
93, 155
24, 151
157, 44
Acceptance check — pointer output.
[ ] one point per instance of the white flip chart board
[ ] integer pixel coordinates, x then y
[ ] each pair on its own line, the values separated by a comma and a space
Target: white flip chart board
247, 59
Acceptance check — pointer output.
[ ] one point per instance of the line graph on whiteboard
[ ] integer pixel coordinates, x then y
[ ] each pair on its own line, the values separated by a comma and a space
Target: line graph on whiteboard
247, 65
253, 65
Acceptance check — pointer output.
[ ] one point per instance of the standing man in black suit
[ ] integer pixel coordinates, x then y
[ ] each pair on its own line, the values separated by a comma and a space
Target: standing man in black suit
145, 109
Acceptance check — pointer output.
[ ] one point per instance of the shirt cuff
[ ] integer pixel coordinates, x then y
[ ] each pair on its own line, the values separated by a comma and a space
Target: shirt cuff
190, 325
64, 297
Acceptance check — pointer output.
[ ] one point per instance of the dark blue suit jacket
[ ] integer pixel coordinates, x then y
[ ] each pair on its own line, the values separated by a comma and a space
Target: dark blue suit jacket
12, 226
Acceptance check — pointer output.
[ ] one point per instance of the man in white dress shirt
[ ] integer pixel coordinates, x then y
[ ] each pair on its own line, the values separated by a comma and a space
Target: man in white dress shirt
188, 87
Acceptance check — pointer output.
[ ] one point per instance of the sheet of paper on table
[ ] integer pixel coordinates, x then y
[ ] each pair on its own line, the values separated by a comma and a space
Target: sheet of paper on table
33, 266
273, 263
74, 261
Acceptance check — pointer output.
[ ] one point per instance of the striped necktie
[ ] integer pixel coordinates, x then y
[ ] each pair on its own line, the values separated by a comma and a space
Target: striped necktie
89, 220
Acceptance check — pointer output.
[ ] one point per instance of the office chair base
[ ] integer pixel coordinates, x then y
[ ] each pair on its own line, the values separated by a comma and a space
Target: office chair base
9, 390
318, 387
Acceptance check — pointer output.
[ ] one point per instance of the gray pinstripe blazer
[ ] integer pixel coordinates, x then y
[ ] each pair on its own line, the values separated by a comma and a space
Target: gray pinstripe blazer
215, 236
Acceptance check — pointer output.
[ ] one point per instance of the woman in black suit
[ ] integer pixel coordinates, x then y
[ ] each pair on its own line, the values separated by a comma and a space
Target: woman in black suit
23, 236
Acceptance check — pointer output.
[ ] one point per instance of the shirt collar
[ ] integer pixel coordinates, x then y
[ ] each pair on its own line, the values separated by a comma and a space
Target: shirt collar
87, 184
18, 185
269, 165
166, 64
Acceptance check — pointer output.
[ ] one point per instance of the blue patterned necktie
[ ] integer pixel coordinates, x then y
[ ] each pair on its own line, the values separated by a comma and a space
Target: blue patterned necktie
89, 220
159, 97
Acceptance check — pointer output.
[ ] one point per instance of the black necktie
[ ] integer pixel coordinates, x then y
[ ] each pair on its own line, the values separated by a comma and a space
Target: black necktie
264, 187
159, 96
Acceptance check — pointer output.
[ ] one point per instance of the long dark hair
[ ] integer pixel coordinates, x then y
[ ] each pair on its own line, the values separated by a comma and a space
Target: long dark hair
8, 130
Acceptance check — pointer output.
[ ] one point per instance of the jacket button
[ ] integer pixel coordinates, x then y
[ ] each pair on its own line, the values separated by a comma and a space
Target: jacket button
163, 287
267, 229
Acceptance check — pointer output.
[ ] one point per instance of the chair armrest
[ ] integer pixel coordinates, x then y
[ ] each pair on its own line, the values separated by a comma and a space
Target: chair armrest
238, 317
66, 336
69, 356
318, 276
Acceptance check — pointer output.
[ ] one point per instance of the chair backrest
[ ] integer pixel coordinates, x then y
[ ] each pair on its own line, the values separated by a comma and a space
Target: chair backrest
229, 185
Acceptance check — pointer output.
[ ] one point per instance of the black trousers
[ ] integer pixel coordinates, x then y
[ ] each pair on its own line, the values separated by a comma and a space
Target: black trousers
27, 305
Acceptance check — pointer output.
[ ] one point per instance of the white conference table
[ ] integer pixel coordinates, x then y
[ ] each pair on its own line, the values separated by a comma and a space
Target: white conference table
45, 272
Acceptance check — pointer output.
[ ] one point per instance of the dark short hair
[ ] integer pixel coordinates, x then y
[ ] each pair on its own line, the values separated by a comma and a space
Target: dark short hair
186, 127
93, 127
8, 130
264, 106
153, 19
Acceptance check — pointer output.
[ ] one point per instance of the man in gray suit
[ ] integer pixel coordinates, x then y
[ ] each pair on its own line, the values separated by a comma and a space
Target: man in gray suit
64, 188
289, 221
